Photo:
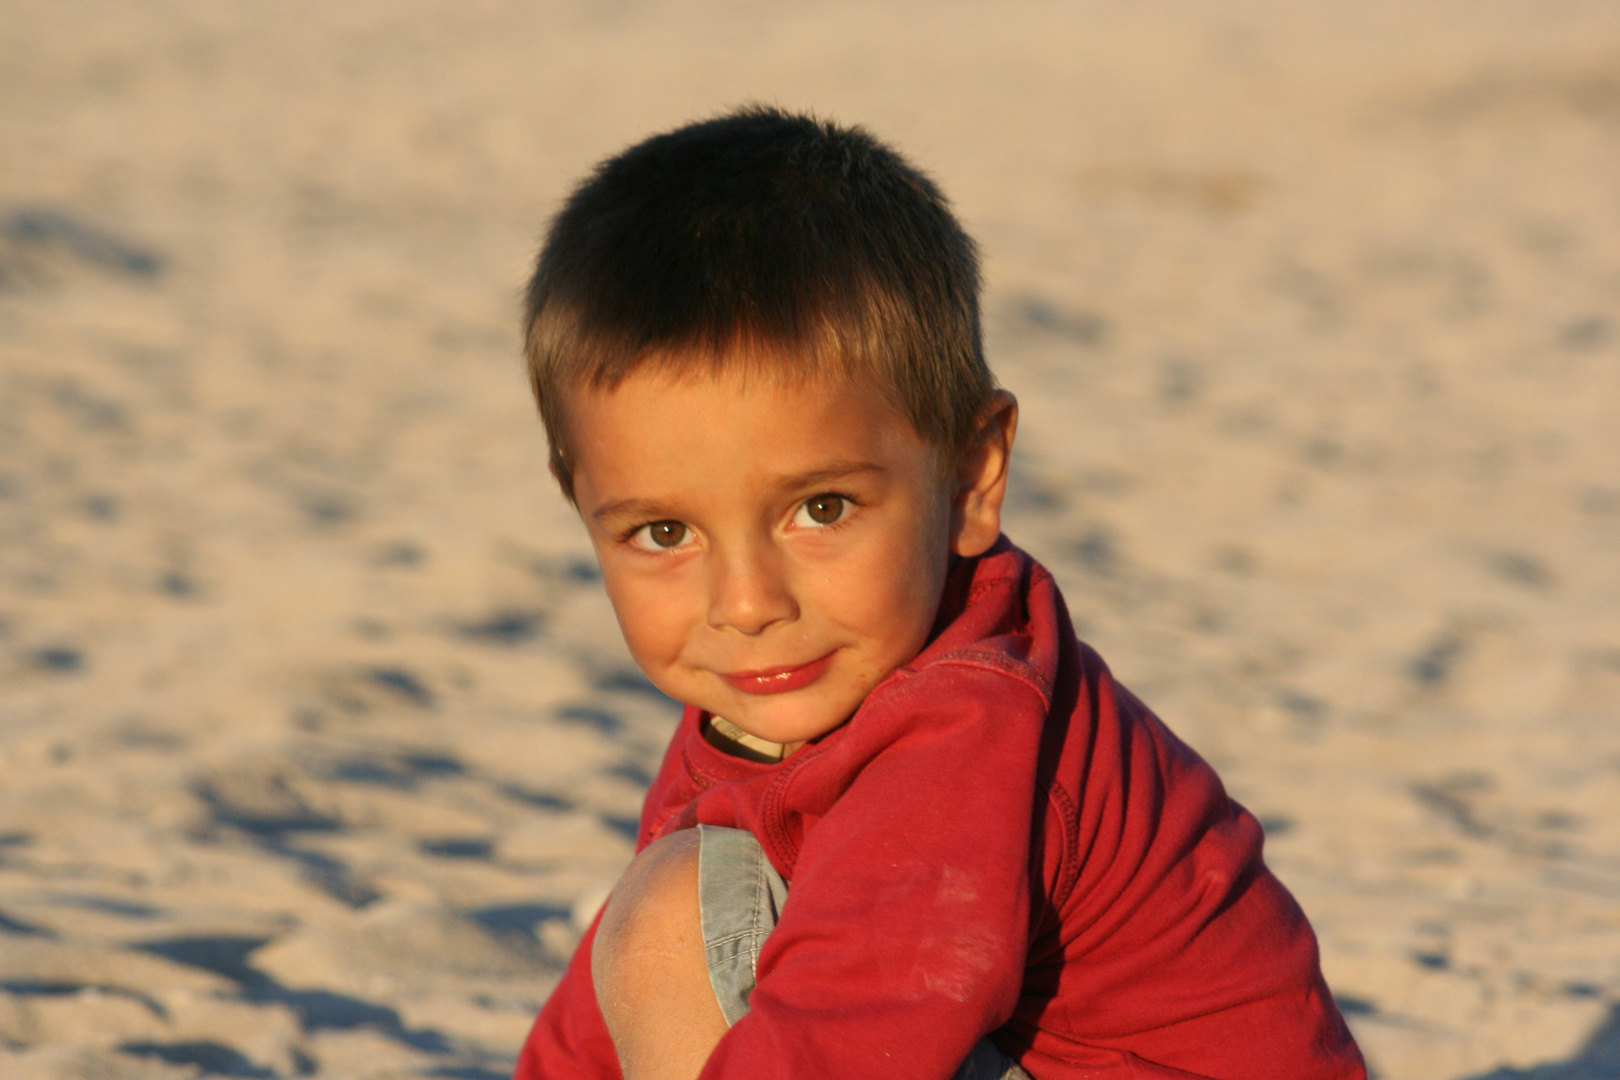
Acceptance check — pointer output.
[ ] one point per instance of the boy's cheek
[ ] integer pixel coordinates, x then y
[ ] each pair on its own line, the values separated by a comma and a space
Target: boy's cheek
653, 620
638, 617
895, 587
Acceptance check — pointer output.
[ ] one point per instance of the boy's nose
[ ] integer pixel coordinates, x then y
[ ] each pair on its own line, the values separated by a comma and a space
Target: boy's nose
749, 592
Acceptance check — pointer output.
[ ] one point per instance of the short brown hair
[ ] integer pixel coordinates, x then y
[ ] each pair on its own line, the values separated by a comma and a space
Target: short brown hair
766, 238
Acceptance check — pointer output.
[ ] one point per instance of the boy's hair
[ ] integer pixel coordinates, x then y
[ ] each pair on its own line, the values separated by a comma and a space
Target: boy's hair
761, 238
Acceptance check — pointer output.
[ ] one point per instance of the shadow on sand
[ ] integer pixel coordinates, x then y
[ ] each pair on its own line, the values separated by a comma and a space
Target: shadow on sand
1599, 1059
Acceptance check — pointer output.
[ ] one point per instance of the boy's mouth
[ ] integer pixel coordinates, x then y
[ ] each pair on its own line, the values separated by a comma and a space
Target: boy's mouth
778, 680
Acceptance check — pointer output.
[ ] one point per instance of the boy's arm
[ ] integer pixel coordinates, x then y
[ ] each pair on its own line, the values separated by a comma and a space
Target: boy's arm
903, 938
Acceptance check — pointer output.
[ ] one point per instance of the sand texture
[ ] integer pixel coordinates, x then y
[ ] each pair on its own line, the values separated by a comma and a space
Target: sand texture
317, 741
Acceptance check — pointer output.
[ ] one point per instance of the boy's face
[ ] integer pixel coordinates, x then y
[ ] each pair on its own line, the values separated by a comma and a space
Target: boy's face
772, 552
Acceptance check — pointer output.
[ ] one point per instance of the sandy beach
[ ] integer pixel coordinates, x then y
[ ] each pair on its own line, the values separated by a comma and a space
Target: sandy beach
318, 745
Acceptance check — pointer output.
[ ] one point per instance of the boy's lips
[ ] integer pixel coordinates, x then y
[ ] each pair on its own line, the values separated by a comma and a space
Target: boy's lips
778, 680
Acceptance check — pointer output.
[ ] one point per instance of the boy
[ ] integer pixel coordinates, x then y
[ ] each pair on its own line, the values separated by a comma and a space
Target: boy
908, 826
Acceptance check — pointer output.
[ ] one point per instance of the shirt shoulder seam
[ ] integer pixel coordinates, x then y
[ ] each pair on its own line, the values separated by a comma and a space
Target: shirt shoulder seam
1000, 662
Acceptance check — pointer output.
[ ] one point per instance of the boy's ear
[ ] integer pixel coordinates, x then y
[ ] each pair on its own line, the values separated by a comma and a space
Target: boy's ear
981, 478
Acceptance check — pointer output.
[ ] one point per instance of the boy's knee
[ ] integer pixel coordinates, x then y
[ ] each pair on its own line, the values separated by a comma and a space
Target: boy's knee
649, 967
654, 909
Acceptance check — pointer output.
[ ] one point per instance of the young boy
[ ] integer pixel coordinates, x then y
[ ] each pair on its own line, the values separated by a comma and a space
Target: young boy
909, 826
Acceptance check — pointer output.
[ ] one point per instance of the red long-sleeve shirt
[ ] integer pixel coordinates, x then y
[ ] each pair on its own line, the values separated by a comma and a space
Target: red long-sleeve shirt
1004, 841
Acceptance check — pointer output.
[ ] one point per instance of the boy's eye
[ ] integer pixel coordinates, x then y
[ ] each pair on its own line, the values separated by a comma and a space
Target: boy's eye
821, 510
661, 536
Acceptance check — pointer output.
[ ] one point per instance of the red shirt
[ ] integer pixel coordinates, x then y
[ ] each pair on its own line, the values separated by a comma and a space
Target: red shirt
1002, 840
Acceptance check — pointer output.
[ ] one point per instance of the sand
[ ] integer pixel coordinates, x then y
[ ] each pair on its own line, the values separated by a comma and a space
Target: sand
317, 742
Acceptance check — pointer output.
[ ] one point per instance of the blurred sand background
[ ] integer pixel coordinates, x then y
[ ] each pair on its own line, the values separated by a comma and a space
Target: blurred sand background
316, 738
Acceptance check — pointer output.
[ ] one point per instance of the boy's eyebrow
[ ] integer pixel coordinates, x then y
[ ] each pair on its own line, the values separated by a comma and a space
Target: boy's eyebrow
836, 471
629, 508
651, 509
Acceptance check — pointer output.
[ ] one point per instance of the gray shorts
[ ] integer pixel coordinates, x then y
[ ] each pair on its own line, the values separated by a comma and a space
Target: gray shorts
741, 895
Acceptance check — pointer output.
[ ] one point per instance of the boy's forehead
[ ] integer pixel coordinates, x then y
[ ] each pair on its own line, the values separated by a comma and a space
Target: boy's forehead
739, 393
712, 408
656, 425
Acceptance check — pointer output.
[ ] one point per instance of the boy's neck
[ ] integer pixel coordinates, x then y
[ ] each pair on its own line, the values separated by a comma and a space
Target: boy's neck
728, 738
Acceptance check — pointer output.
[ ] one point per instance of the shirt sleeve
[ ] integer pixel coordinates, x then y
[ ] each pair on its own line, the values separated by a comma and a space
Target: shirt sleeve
903, 937
569, 1039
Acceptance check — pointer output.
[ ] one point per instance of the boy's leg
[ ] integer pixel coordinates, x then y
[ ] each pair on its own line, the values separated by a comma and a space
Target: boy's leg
676, 951
648, 964
740, 895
